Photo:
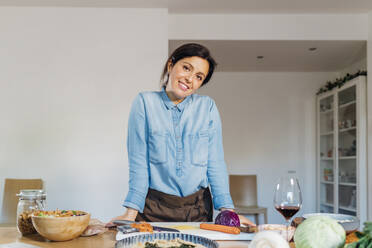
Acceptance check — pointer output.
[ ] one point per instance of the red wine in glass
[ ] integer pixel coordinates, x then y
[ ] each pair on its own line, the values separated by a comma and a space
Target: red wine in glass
287, 198
287, 211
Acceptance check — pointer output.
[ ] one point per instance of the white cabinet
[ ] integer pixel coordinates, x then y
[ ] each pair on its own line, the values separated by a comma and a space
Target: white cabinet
341, 150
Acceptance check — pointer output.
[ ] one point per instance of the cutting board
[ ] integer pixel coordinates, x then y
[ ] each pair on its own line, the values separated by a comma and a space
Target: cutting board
193, 228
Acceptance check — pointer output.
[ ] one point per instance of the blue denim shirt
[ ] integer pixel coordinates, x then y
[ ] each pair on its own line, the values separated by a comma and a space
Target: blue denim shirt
175, 149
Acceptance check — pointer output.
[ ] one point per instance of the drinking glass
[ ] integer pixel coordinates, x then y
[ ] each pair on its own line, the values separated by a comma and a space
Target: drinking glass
287, 198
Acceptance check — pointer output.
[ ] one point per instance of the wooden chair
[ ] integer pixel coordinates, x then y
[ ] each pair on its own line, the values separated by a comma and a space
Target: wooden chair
243, 190
10, 200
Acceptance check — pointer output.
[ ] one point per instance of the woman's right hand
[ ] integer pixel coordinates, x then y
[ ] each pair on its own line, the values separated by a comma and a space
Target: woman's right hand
130, 214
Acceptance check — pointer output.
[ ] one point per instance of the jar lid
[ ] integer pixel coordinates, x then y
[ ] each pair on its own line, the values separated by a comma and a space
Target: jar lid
32, 194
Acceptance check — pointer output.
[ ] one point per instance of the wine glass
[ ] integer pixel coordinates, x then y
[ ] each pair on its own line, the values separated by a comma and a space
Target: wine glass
287, 198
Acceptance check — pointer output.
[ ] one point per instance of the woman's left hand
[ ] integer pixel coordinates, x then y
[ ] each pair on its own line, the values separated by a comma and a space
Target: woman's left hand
245, 221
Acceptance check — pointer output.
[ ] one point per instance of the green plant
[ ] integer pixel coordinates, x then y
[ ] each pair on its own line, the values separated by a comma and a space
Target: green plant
365, 238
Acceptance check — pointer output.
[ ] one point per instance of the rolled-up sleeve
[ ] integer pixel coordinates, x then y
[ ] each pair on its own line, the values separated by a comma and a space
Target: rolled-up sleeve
217, 172
137, 156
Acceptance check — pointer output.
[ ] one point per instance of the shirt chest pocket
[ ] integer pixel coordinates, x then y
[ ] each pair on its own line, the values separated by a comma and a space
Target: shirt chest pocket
158, 148
199, 148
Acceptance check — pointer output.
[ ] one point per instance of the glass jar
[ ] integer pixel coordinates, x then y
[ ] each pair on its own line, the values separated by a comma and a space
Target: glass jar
30, 200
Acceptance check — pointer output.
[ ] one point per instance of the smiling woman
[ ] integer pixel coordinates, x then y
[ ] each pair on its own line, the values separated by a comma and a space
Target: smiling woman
175, 146
185, 76
188, 68
188, 51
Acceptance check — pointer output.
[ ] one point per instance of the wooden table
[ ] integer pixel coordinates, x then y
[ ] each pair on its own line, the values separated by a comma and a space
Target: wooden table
10, 235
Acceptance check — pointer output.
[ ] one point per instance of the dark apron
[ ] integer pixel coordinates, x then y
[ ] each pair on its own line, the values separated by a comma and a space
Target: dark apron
161, 207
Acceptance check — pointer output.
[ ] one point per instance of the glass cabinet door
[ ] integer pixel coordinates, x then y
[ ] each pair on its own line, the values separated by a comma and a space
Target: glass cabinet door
342, 150
327, 154
347, 151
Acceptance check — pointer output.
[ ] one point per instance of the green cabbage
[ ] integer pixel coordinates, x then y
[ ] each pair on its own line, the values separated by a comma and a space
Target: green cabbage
319, 232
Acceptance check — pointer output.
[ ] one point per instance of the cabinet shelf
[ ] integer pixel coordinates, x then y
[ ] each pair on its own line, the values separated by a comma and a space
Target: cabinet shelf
325, 158
327, 204
346, 104
340, 207
347, 208
326, 182
326, 111
347, 129
348, 184
326, 133
347, 157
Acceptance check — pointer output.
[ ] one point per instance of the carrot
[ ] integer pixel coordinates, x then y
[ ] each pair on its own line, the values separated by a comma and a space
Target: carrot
220, 228
142, 227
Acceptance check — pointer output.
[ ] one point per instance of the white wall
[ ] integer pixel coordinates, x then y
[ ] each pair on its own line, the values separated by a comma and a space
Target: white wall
359, 64
268, 27
269, 128
67, 79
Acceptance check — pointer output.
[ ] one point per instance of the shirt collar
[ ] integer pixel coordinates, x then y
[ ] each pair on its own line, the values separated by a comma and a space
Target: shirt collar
169, 104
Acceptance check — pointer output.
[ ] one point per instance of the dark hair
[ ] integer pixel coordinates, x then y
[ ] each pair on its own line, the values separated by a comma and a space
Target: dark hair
189, 50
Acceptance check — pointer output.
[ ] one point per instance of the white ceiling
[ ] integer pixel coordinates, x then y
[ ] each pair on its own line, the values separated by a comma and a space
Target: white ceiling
215, 6
239, 56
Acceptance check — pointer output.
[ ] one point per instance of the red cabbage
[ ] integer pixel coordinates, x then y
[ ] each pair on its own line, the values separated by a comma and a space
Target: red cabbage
227, 218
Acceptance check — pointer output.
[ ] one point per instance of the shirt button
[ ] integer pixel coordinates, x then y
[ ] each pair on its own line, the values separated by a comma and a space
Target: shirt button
179, 149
